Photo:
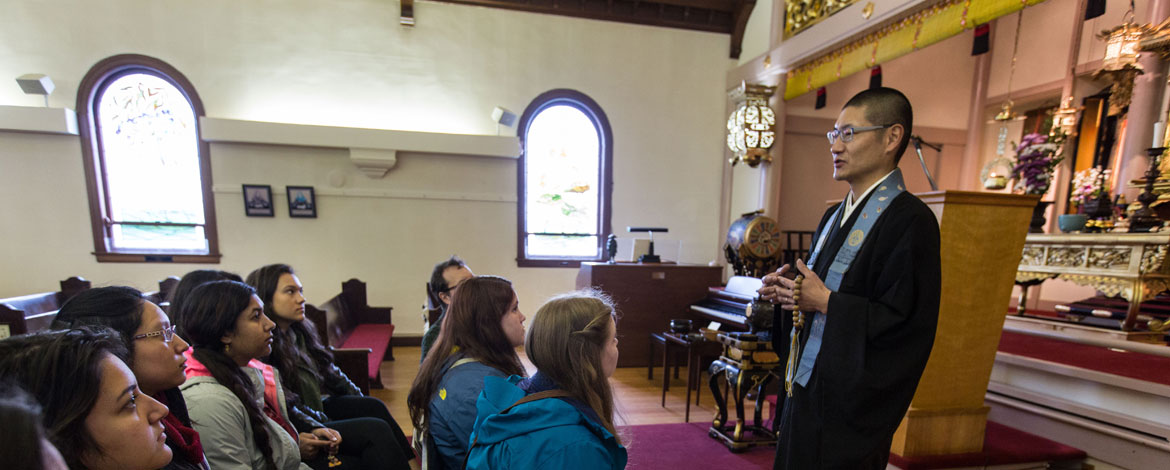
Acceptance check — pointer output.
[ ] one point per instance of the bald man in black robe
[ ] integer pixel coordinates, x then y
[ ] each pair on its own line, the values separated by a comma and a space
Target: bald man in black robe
879, 323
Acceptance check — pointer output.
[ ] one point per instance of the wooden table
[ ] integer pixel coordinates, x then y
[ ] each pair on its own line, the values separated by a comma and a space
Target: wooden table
695, 350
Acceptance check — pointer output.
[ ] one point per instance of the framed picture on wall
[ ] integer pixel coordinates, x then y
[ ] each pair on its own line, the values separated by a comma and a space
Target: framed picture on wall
301, 202
258, 200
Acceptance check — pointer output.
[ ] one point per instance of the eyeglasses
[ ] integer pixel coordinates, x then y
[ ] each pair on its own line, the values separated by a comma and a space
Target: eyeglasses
451, 289
846, 134
167, 333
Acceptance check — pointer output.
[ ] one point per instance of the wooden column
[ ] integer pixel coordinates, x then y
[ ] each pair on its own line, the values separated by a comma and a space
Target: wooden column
982, 237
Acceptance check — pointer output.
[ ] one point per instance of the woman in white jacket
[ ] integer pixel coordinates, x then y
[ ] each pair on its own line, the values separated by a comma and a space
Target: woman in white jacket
235, 402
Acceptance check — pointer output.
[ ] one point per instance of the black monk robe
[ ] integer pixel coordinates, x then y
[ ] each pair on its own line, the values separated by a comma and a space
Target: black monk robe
878, 335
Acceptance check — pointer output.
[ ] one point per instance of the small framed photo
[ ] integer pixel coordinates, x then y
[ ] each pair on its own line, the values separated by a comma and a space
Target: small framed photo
258, 200
301, 202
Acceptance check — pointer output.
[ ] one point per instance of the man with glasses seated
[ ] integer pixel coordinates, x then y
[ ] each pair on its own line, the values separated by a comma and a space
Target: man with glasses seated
865, 307
445, 279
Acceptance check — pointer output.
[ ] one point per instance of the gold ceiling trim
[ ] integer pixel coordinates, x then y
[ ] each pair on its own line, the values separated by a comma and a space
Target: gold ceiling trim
901, 37
800, 15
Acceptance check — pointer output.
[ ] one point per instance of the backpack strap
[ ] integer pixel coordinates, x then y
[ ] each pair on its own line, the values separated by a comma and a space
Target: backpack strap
556, 393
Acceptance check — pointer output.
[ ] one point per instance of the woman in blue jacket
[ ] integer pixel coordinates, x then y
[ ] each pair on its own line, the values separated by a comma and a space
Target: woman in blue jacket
478, 339
562, 417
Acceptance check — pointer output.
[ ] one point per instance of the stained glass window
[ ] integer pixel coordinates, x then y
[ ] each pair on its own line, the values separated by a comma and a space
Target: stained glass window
564, 187
147, 170
150, 153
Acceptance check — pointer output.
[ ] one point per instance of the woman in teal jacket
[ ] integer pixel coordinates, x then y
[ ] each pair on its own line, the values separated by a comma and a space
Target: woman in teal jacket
561, 417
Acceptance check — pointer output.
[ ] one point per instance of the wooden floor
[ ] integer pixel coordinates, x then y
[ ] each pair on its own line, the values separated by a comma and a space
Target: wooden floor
638, 399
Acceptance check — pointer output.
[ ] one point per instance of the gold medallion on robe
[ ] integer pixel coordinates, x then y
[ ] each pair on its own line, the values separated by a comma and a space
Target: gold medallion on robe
855, 237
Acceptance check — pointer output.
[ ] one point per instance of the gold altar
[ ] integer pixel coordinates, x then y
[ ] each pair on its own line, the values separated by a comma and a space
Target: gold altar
747, 364
1130, 265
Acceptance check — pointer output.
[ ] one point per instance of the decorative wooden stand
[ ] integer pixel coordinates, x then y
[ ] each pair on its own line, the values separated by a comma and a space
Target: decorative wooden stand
982, 238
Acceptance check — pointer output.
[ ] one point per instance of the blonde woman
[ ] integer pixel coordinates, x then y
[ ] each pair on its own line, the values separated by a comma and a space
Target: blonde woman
562, 417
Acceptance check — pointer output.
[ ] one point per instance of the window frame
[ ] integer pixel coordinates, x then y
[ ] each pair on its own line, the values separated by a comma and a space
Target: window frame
593, 111
95, 82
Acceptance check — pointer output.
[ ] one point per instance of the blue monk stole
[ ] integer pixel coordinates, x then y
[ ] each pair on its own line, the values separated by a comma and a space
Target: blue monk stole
881, 198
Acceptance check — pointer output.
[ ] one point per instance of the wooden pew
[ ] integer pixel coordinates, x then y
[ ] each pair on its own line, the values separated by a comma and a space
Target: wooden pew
350, 322
162, 296
354, 362
35, 312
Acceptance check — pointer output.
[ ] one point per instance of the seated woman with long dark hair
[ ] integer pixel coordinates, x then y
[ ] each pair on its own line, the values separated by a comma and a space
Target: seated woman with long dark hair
188, 283
239, 410
155, 357
94, 412
479, 337
562, 417
23, 435
316, 387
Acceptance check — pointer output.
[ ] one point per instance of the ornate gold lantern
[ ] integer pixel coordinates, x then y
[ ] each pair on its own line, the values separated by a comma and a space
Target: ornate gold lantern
750, 132
1121, 59
1121, 45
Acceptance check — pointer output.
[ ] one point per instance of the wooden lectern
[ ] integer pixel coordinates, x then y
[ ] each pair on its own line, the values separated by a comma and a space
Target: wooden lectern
648, 296
982, 237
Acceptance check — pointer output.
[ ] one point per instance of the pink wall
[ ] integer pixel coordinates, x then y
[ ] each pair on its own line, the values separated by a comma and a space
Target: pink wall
937, 79
940, 115
807, 176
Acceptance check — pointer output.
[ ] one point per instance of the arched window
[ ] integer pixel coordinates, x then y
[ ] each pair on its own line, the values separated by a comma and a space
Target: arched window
565, 180
147, 170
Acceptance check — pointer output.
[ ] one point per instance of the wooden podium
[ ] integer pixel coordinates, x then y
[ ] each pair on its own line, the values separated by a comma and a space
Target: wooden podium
982, 237
648, 296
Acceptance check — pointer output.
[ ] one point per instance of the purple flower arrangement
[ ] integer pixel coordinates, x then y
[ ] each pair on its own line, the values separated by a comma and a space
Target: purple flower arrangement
1036, 158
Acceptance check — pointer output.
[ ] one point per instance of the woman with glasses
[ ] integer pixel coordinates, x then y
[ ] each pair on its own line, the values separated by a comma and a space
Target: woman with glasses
321, 393
155, 357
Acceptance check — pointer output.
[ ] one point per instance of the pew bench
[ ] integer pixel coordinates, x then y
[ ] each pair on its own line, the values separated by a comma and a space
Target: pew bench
354, 362
162, 296
351, 323
35, 312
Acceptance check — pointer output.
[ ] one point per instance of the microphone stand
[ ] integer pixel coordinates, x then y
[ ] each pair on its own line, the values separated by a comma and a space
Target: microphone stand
918, 143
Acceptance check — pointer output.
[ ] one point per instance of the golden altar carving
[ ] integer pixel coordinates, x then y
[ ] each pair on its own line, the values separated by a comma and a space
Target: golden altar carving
799, 15
1130, 265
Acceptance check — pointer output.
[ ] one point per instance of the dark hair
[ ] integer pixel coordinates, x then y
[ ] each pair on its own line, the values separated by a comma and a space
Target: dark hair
472, 325
438, 282
284, 348
20, 429
210, 312
62, 370
187, 284
116, 307
886, 107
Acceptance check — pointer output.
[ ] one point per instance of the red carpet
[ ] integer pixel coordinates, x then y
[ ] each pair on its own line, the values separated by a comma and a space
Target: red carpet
1126, 364
1002, 446
683, 446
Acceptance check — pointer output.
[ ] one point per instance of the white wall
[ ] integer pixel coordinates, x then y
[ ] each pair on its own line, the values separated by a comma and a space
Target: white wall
349, 63
757, 35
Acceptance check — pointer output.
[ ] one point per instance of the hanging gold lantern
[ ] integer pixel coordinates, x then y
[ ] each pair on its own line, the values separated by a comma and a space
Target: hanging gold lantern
1121, 45
750, 132
1121, 59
